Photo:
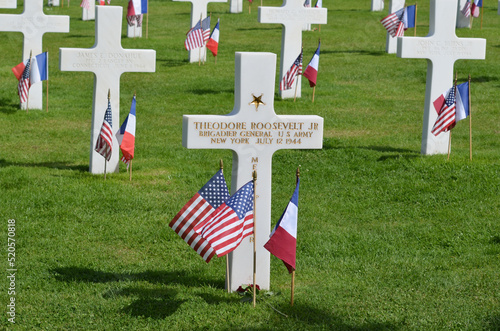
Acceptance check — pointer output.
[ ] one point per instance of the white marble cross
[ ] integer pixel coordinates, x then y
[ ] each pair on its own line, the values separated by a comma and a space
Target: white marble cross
254, 132
377, 5
89, 14
33, 24
108, 61
235, 6
441, 48
462, 21
391, 44
293, 16
198, 10
8, 4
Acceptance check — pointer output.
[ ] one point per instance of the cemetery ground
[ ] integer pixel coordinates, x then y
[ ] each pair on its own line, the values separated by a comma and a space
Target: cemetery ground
388, 239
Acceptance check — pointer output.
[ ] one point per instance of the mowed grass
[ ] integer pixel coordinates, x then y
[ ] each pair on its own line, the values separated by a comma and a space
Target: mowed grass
387, 239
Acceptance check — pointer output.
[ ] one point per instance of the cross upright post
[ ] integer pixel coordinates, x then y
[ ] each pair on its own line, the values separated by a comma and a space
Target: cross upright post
33, 24
441, 48
293, 16
198, 9
253, 132
391, 44
108, 61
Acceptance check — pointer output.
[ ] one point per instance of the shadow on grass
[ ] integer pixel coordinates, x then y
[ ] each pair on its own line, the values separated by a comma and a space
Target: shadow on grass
358, 52
8, 107
388, 151
493, 323
78, 274
172, 63
51, 165
208, 91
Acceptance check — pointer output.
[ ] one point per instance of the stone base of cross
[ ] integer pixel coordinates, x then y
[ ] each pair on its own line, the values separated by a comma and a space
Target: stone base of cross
108, 61
253, 132
89, 14
235, 6
377, 5
441, 48
134, 31
391, 44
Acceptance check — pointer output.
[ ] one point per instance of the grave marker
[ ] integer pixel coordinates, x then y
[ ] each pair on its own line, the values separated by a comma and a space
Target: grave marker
377, 5
441, 48
134, 31
8, 4
235, 6
391, 44
462, 21
254, 132
89, 14
293, 16
108, 61
33, 24
198, 9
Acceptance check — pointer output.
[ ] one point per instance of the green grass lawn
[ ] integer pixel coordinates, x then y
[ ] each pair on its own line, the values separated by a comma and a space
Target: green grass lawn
388, 239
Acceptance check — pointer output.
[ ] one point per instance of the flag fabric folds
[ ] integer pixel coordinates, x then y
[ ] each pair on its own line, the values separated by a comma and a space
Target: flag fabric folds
137, 7
307, 3
226, 227
475, 7
40, 68
104, 144
311, 71
203, 204
319, 4
85, 4
22, 73
445, 106
283, 238
295, 70
466, 10
127, 145
205, 26
213, 41
393, 23
409, 16
194, 37
462, 102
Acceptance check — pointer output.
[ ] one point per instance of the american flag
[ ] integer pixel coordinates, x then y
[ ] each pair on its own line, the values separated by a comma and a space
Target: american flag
197, 210
466, 9
104, 145
194, 38
85, 4
307, 3
446, 117
205, 25
134, 18
295, 70
24, 83
230, 223
392, 23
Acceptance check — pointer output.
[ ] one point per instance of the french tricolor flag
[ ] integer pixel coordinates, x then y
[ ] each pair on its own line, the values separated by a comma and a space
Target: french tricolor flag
475, 7
213, 41
283, 240
40, 68
311, 71
137, 7
127, 130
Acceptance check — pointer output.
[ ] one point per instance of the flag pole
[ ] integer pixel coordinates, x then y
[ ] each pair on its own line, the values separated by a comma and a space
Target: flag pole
482, 10
28, 97
199, 50
415, 30
254, 175
130, 173
227, 255
297, 176
449, 140
314, 91
105, 159
47, 66
470, 123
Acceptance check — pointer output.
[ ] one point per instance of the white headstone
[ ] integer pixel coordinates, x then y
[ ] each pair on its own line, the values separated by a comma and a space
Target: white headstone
441, 48
134, 31
235, 6
55, 3
8, 4
377, 5
498, 7
462, 21
254, 132
108, 61
292, 15
391, 44
33, 24
89, 14
198, 9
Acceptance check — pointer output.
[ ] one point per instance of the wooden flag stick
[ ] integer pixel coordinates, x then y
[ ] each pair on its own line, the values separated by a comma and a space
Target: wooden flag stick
105, 163
470, 124
449, 146
227, 256
254, 175
130, 174
482, 18
296, 85
28, 96
314, 91
415, 30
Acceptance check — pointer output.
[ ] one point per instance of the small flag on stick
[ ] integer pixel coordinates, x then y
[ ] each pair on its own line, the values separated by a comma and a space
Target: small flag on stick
127, 135
104, 145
